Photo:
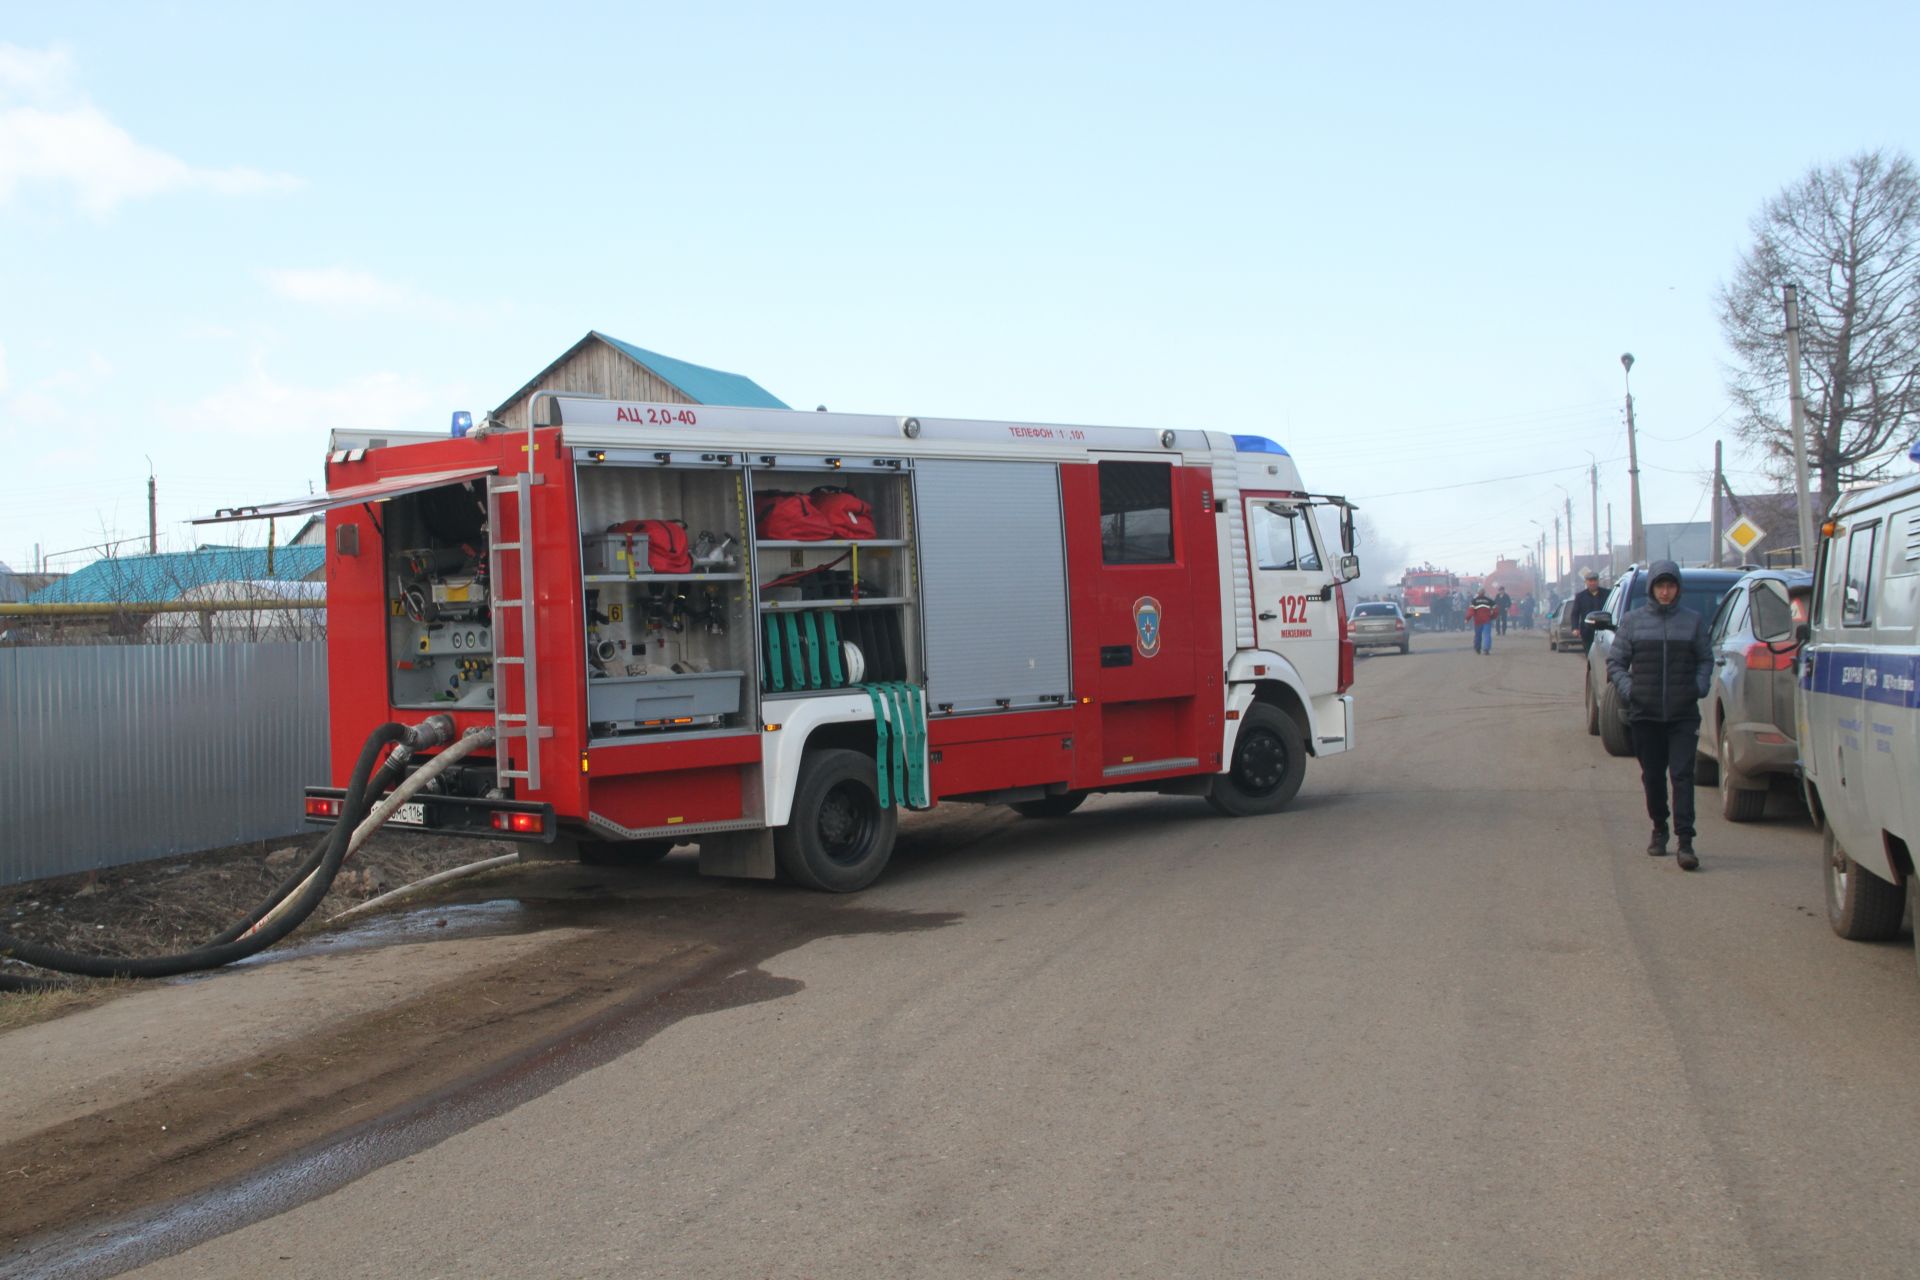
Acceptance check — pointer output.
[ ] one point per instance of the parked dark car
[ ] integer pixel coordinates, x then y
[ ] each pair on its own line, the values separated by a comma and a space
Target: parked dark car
1747, 718
1701, 590
1379, 624
1563, 628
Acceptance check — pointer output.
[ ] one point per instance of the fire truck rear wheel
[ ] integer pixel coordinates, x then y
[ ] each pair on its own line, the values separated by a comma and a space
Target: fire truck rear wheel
624, 853
1269, 764
839, 836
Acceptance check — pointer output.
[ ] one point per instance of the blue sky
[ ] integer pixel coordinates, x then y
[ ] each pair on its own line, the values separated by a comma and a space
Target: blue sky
1409, 242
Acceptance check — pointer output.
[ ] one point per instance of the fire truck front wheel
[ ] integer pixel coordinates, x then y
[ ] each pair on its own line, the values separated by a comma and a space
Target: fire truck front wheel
839, 836
1269, 764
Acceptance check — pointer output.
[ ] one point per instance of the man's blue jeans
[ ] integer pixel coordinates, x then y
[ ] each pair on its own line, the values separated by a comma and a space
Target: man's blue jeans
1483, 637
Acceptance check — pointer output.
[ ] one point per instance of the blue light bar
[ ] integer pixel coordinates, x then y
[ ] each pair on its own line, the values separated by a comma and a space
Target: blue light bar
1258, 444
462, 422
1914, 453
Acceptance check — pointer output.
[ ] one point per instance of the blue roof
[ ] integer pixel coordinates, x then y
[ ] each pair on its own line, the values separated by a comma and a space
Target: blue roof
1258, 444
697, 382
150, 579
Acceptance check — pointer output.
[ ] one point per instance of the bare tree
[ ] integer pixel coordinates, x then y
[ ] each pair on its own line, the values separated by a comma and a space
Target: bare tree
1849, 236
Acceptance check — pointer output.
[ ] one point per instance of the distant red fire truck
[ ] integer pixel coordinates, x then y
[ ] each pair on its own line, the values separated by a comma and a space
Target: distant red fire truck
1430, 597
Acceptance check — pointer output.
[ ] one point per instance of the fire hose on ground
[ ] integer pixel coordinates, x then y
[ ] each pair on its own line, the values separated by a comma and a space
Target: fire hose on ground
296, 898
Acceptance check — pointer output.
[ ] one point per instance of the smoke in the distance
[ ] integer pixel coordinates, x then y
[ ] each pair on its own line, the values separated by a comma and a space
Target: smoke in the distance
1382, 560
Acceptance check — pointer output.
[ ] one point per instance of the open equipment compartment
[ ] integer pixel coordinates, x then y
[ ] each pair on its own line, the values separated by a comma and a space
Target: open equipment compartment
835, 580
439, 603
668, 619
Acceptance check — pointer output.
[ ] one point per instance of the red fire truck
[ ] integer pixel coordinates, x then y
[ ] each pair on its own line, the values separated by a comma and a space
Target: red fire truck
767, 632
1422, 592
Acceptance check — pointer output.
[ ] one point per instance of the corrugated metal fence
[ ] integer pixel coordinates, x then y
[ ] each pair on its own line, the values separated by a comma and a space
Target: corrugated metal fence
112, 754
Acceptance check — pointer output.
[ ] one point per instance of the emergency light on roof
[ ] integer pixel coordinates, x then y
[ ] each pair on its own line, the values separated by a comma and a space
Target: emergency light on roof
1258, 444
462, 422
1914, 453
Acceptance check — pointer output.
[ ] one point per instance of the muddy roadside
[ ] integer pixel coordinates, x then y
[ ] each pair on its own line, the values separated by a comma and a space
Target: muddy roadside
193, 1087
174, 904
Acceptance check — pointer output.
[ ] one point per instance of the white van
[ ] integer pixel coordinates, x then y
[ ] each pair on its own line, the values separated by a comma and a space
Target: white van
1858, 706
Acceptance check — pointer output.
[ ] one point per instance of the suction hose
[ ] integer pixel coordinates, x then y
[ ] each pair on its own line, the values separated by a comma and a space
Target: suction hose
297, 897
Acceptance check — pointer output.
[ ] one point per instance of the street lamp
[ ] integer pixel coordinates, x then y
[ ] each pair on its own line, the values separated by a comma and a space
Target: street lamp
1638, 534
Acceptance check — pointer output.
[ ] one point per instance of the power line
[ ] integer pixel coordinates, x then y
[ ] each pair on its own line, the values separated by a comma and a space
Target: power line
1469, 484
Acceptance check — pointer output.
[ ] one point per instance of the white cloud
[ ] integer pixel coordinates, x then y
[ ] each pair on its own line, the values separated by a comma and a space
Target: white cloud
3, 368
34, 75
338, 287
50, 136
261, 405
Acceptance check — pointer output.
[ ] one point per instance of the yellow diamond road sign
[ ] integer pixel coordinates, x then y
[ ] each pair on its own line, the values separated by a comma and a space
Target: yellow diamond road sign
1744, 534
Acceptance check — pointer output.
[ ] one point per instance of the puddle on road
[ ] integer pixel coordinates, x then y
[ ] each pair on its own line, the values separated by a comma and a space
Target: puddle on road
747, 927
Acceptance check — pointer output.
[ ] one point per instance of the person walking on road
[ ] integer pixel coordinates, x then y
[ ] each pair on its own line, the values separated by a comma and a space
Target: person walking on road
1502, 606
1661, 665
1591, 600
1480, 613
1528, 606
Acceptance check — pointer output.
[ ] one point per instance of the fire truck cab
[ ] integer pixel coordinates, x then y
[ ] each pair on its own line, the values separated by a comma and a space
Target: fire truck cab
766, 632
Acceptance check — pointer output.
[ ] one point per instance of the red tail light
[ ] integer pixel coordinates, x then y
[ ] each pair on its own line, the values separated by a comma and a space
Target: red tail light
1760, 657
524, 823
322, 807
1346, 639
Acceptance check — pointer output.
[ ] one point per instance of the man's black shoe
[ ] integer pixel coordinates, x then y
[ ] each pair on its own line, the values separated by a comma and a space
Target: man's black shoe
1686, 858
1657, 847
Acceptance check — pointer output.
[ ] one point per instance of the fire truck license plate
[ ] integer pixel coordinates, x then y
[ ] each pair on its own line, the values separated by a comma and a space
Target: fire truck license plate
410, 815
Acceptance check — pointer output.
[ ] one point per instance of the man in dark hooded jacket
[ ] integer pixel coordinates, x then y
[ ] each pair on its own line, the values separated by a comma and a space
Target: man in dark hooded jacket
1661, 665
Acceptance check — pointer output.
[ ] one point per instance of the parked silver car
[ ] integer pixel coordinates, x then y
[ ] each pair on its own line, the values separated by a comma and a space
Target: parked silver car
1563, 628
1747, 717
1379, 624
1700, 591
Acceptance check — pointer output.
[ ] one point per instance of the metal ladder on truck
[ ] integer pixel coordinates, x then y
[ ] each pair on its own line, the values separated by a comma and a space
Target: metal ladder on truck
524, 723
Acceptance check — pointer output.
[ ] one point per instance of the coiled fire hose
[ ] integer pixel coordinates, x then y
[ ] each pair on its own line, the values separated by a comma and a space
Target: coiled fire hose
288, 906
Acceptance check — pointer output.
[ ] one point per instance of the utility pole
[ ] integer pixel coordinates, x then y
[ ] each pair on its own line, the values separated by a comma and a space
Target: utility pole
1569, 531
1613, 567
1593, 503
1556, 548
1637, 529
1799, 423
1719, 520
153, 521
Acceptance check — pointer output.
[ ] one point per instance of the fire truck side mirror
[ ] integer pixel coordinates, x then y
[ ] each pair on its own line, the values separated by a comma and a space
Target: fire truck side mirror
1349, 568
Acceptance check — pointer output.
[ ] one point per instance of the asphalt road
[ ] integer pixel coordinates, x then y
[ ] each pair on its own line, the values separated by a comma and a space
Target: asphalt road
1443, 1018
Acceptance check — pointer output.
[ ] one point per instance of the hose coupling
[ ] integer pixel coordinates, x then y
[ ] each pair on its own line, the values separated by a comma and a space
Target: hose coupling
431, 732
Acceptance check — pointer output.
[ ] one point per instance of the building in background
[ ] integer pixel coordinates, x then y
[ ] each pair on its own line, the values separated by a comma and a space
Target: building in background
600, 365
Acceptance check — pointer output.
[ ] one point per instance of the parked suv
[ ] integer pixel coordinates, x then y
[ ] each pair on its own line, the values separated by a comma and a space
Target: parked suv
1700, 590
1747, 719
1379, 624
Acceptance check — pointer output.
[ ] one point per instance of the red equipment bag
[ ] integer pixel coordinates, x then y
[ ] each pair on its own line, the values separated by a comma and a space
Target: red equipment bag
666, 543
789, 517
846, 512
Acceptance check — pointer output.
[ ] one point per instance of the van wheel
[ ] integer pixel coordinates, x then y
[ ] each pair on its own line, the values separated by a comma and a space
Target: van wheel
1593, 711
1269, 764
1050, 806
839, 836
1860, 905
1614, 734
1740, 800
623, 853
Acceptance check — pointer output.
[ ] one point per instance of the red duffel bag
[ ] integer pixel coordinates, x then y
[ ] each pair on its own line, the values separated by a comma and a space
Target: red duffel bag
847, 513
666, 544
789, 517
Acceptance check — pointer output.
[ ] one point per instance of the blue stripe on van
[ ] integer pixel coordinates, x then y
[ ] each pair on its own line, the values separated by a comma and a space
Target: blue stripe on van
1890, 678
